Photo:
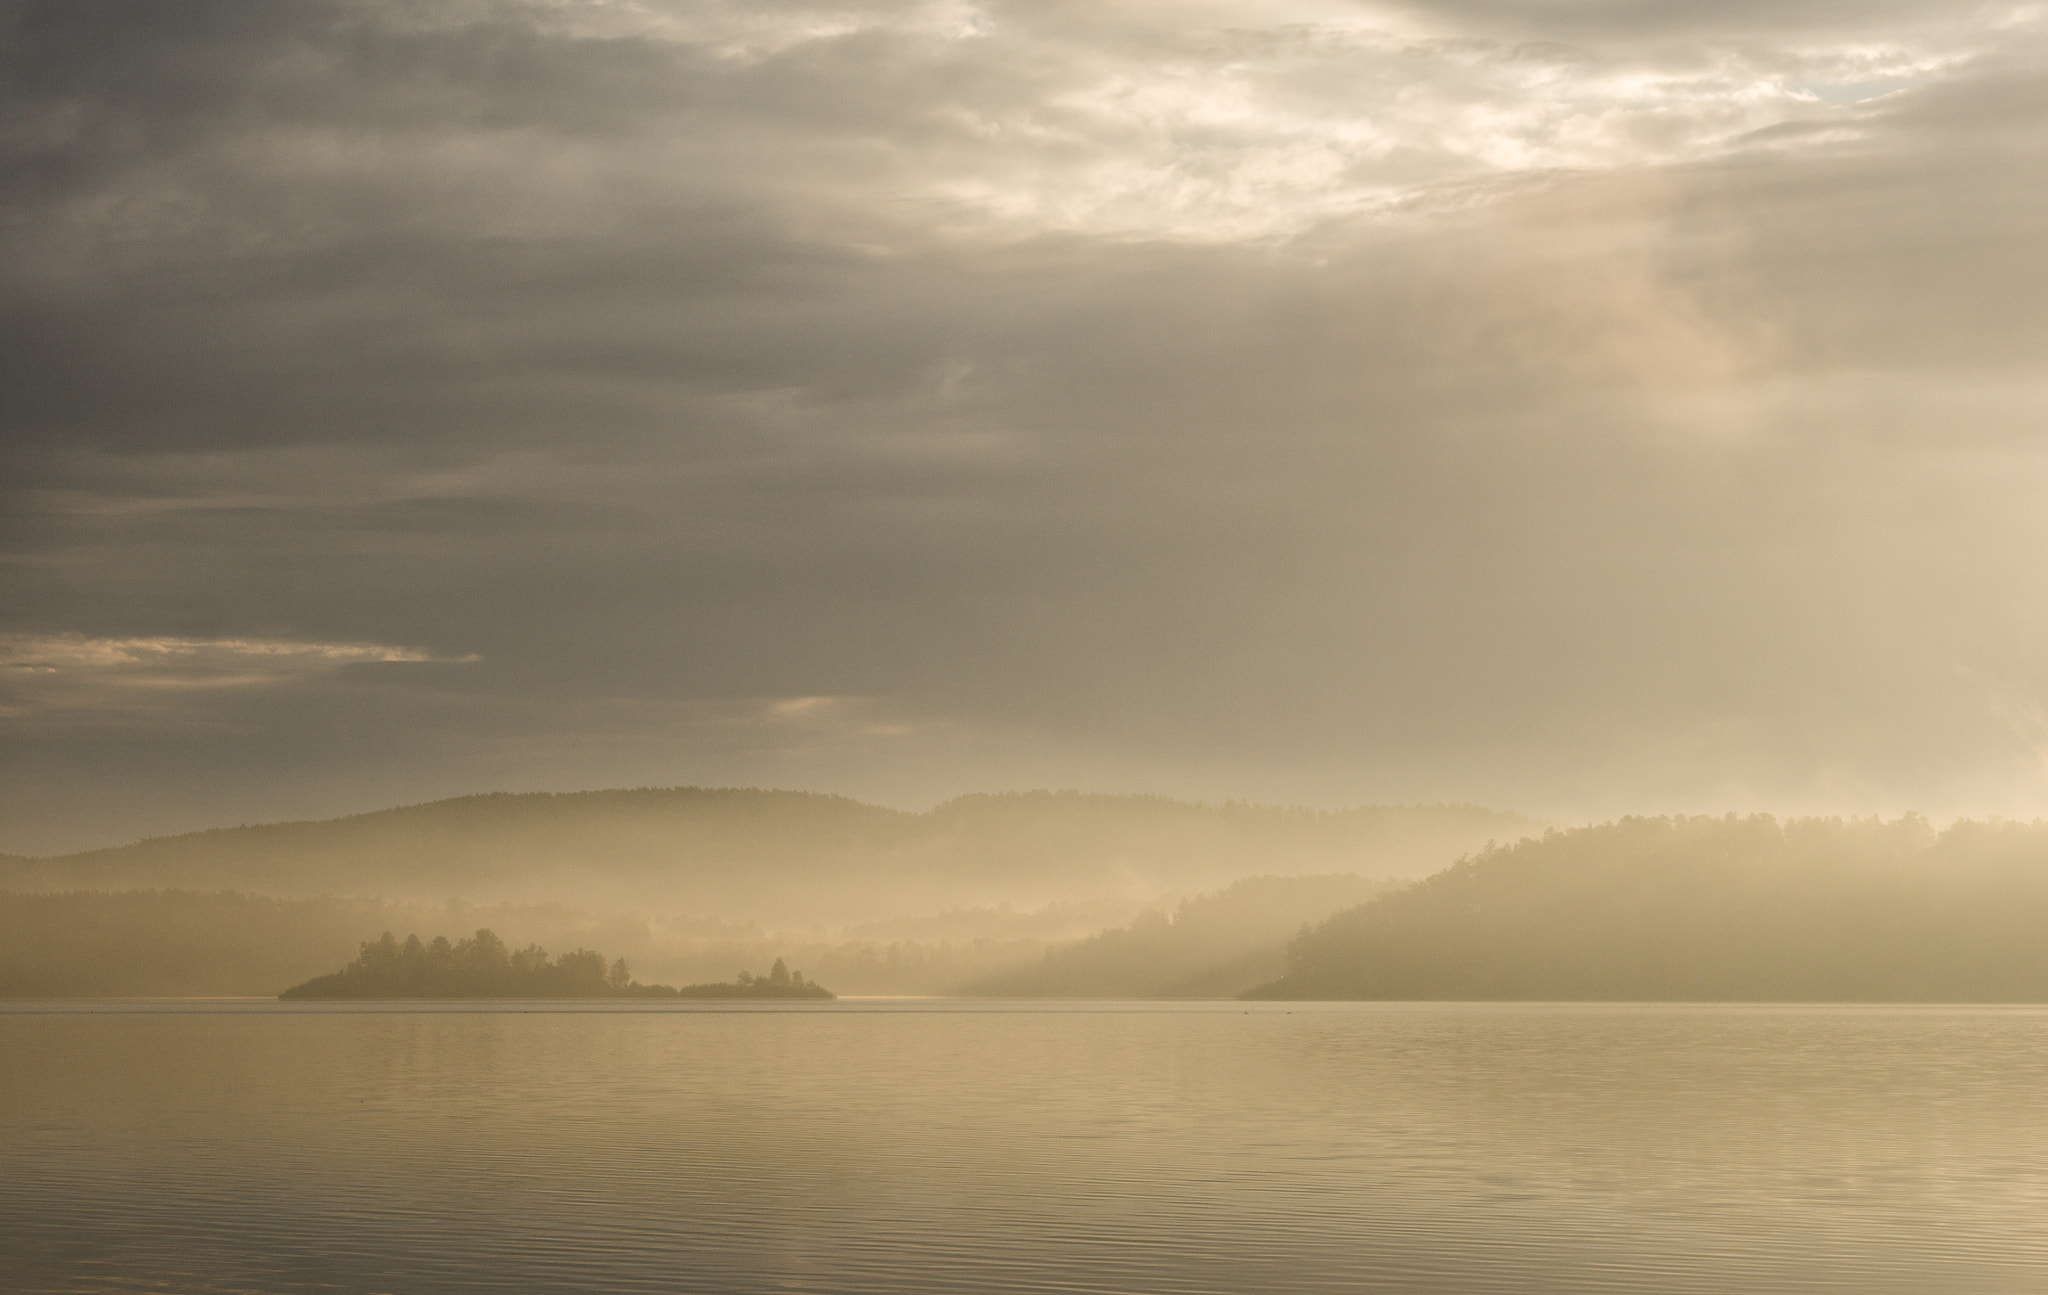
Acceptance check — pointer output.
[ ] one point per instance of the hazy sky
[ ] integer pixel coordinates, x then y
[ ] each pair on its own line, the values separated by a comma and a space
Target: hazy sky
1579, 407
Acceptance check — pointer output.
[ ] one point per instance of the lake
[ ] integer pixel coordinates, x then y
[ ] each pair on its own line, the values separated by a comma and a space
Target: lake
963, 1147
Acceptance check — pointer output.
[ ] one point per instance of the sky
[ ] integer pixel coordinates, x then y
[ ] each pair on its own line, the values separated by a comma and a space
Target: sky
1582, 407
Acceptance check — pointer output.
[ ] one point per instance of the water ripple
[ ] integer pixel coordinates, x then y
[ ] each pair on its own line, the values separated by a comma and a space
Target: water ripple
902, 1146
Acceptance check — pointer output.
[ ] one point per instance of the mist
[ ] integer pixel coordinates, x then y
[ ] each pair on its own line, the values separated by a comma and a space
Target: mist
974, 646
694, 884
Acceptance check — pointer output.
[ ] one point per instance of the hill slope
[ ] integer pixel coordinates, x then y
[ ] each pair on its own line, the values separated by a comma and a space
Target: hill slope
1209, 946
1728, 909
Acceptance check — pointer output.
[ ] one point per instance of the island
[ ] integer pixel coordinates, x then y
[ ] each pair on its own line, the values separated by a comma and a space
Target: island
482, 966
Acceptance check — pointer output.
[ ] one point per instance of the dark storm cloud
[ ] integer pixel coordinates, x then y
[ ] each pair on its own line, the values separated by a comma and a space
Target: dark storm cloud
1314, 403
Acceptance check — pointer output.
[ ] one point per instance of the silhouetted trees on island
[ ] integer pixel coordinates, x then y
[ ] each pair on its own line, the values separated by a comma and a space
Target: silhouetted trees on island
482, 966
780, 982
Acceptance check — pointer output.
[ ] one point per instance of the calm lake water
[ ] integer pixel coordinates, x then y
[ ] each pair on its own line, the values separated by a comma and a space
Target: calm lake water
1022, 1147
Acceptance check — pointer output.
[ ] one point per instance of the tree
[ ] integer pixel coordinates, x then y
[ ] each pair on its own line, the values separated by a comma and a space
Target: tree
483, 952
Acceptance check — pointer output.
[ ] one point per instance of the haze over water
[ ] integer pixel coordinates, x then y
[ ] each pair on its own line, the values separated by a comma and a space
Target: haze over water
884, 1146
978, 502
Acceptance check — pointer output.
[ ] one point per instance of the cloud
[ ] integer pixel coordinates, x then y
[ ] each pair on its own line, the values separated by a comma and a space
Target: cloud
1577, 406
72, 673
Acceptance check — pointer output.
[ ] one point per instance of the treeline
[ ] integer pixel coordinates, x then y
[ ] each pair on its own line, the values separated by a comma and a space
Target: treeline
481, 966
1209, 946
178, 943
484, 966
1705, 909
780, 982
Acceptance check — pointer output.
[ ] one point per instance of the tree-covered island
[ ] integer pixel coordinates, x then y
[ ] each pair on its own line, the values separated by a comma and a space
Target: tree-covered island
482, 966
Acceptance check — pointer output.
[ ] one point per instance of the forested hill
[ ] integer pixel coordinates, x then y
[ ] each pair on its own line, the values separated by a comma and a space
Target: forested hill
781, 856
1706, 909
1209, 946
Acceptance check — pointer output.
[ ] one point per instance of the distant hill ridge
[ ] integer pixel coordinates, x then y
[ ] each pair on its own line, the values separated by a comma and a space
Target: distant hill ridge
783, 855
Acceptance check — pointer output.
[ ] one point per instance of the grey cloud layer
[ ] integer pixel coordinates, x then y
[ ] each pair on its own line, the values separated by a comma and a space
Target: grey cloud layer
1565, 406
